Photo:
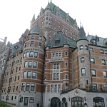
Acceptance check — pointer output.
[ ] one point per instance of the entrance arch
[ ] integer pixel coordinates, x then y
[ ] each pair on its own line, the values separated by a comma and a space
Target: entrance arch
77, 102
98, 102
55, 102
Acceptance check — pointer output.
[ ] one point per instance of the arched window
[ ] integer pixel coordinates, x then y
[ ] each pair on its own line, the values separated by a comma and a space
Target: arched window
64, 102
77, 102
55, 102
98, 102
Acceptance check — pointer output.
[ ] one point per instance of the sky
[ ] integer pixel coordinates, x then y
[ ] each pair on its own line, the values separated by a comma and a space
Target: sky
16, 15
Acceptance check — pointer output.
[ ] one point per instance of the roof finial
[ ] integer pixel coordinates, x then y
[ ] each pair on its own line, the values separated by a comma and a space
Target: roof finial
80, 24
50, 1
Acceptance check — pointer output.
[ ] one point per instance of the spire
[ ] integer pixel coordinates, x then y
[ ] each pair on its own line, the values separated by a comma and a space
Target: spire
82, 33
33, 19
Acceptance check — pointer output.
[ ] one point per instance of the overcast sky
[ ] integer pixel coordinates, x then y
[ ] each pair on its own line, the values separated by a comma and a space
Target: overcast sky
15, 15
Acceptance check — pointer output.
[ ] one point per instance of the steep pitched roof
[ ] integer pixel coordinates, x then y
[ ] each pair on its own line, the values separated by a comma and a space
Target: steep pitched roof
55, 9
36, 30
82, 33
59, 40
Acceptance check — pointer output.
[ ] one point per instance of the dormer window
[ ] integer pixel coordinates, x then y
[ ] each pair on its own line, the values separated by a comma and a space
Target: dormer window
57, 42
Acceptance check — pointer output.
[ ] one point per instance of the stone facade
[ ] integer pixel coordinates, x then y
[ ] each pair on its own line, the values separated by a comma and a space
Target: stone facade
54, 64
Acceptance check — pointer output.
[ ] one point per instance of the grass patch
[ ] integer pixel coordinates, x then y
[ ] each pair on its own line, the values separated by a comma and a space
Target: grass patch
3, 104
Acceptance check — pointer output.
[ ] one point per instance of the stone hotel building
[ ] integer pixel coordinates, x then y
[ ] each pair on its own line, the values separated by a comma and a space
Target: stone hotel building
54, 64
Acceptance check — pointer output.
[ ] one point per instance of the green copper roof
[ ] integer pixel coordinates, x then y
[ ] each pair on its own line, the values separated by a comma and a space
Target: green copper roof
55, 9
59, 40
36, 30
82, 33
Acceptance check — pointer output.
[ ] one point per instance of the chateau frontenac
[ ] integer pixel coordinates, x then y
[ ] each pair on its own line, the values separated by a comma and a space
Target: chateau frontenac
54, 64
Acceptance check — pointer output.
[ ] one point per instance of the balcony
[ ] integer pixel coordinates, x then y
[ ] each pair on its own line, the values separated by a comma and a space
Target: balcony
56, 59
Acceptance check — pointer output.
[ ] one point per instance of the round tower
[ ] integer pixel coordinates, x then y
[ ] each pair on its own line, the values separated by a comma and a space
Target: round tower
32, 69
84, 63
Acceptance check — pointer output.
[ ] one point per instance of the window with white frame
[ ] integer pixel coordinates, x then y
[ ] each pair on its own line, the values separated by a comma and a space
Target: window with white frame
92, 60
56, 55
32, 87
27, 87
23, 86
103, 61
82, 59
29, 74
56, 71
56, 76
56, 66
83, 72
93, 72
30, 64
105, 74
30, 54
55, 88
34, 75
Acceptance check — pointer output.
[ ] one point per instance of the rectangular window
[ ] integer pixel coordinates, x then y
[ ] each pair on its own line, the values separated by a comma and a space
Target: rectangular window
105, 87
105, 51
35, 54
32, 37
105, 74
34, 64
32, 87
59, 88
31, 100
27, 54
86, 47
102, 51
31, 54
56, 55
66, 53
32, 43
25, 101
90, 48
40, 44
21, 99
81, 47
93, 72
27, 87
103, 62
55, 88
56, 66
25, 75
57, 42
83, 72
23, 87
29, 74
92, 60
82, 59
94, 87
30, 64
55, 76
26, 64
34, 75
